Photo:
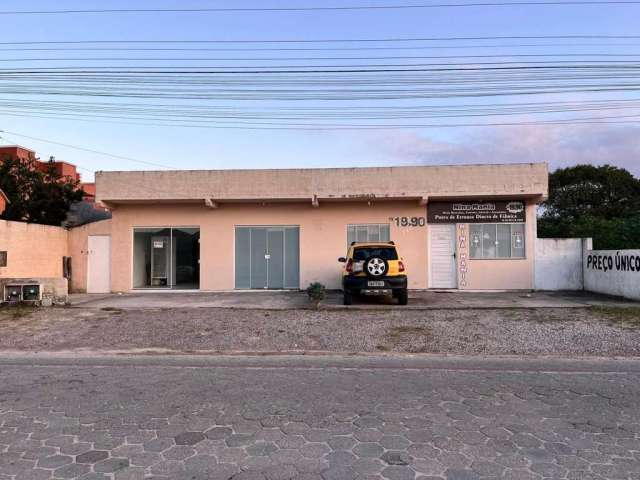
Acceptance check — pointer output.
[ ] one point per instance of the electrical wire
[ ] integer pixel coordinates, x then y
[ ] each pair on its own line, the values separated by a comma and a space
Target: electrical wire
566, 3
75, 147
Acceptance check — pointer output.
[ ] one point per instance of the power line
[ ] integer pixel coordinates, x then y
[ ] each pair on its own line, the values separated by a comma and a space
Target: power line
606, 120
97, 152
336, 40
327, 8
273, 59
309, 49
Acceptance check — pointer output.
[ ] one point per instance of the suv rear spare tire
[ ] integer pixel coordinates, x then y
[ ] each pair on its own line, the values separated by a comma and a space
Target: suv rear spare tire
376, 267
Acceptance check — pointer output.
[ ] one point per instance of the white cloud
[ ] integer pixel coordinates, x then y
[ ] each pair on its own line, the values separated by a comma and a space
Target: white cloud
559, 145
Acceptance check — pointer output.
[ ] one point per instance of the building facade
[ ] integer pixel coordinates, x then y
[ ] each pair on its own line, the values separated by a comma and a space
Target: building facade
457, 227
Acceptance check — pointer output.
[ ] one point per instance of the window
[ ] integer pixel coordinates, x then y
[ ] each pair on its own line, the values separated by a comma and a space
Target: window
364, 254
3, 259
375, 232
497, 240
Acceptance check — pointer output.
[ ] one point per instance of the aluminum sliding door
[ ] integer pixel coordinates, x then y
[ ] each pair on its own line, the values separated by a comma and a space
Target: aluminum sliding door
267, 257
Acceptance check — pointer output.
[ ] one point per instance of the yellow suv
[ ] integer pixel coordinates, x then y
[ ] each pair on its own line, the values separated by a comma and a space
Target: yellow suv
373, 269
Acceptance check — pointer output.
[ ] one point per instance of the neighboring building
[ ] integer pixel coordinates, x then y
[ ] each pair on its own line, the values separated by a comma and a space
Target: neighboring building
17, 152
457, 227
82, 212
63, 169
89, 192
3, 202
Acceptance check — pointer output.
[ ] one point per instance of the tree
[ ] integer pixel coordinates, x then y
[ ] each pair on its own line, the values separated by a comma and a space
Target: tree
36, 196
588, 201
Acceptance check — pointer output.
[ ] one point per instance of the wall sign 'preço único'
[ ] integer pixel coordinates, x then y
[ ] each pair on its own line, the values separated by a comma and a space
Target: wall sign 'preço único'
498, 211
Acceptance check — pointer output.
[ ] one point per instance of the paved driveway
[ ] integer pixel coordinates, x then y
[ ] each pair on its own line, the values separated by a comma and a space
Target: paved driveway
318, 418
287, 300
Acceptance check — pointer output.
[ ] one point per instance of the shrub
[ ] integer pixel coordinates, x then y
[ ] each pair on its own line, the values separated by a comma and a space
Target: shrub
316, 292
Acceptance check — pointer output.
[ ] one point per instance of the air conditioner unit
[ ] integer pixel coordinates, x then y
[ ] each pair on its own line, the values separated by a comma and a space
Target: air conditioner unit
32, 293
12, 293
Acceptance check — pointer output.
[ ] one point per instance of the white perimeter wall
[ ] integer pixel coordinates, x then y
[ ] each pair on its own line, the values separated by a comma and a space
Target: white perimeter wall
614, 272
558, 263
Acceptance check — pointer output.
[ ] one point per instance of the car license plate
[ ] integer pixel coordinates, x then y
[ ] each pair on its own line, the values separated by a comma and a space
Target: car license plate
375, 284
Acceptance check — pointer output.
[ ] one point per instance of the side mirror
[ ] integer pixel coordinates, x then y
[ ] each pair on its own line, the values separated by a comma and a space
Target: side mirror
342, 260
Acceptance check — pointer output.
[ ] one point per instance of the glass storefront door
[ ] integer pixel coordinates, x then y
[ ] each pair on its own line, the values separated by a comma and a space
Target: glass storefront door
166, 257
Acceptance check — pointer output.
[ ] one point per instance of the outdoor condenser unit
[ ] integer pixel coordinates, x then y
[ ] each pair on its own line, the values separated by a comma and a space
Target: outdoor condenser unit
13, 293
31, 293
160, 258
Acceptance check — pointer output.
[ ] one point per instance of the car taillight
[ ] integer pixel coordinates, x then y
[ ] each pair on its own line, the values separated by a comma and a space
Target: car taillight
400, 266
349, 266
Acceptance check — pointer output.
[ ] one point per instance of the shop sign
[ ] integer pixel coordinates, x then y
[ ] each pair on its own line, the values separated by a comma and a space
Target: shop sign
476, 212
620, 262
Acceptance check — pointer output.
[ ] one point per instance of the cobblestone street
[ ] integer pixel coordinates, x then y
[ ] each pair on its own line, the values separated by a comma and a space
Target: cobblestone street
317, 419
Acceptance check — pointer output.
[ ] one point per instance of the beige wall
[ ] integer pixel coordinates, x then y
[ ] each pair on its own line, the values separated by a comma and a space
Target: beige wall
512, 274
323, 237
33, 250
484, 181
78, 240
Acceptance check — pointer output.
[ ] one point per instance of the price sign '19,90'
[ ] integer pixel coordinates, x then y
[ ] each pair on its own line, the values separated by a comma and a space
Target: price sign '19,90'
409, 221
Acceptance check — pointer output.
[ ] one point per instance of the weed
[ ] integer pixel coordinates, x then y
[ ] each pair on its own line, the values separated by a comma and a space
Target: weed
627, 316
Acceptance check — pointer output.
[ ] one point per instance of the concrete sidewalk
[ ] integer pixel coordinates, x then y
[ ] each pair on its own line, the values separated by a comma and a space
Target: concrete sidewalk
286, 300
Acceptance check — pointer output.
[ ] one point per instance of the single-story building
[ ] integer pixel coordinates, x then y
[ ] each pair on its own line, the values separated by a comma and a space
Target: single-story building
456, 226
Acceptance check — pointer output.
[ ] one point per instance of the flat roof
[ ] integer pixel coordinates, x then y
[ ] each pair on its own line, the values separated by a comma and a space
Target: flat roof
517, 180
17, 146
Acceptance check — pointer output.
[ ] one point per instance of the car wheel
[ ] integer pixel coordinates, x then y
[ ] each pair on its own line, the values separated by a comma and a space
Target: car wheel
403, 297
348, 298
376, 267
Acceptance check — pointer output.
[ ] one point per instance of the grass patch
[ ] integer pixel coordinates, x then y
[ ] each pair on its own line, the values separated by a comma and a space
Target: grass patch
401, 333
114, 310
15, 312
408, 330
627, 316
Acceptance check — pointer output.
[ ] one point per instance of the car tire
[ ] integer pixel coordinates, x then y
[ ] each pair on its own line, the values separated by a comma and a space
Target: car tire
376, 267
403, 297
348, 298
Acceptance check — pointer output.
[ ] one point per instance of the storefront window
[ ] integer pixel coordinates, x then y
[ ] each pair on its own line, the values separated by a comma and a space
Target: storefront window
166, 258
497, 240
376, 232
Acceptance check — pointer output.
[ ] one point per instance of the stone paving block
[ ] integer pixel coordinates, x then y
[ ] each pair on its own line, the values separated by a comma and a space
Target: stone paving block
189, 438
145, 459
92, 456
111, 465
72, 470
158, 445
395, 458
219, 433
35, 474
54, 461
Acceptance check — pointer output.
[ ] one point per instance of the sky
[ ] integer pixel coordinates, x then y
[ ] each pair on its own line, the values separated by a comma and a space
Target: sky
444, 141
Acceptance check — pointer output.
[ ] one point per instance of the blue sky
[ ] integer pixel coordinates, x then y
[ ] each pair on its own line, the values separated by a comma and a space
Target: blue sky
204, 148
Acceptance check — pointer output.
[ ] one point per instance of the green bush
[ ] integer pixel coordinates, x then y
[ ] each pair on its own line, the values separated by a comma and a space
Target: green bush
316, 292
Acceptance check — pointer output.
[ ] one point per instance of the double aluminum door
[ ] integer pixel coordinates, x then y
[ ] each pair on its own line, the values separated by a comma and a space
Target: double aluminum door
267, 257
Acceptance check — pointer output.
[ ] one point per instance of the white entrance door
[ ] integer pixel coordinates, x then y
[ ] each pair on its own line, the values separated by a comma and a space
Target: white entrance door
443, 256
99, 264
